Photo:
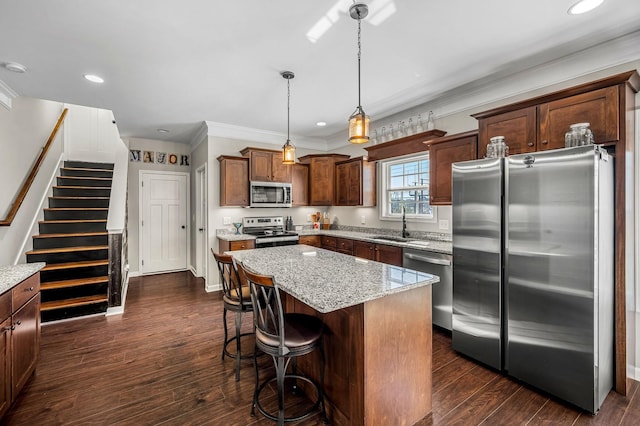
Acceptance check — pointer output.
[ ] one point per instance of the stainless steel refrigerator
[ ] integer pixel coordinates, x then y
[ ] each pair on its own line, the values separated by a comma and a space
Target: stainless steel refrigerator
533, 269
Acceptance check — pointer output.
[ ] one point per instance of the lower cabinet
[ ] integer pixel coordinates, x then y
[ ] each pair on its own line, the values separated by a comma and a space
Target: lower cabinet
19, 338
344, 246
379, 252
224, 245
328, 243
310, 240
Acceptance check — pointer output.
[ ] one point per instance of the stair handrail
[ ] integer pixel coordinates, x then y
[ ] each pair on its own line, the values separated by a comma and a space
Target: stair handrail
32, 174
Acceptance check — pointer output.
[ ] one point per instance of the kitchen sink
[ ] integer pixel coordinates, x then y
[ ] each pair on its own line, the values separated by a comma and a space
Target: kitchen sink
391, 238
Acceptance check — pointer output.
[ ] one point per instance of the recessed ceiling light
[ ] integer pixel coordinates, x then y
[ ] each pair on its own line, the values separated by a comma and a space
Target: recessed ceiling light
321, 123
584, 6
94, 78
15, 67
163, 131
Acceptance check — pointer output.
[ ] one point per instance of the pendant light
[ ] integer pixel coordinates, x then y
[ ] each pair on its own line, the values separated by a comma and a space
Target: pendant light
359, 121
288, 150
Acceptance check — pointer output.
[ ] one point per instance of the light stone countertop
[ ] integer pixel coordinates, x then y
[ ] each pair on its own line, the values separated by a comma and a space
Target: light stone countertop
327, 280
12, 275
425, 245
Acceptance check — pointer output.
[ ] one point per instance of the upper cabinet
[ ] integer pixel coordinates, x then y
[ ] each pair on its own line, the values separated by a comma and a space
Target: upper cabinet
266, 165
541, 123
300, 184
443, 152
234, 181
322, 177
355, 183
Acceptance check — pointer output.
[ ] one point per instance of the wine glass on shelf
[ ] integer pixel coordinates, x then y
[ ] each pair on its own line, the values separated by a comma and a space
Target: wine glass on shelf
237, 226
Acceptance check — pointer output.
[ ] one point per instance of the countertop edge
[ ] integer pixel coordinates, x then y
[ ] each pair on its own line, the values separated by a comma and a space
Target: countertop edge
12, 275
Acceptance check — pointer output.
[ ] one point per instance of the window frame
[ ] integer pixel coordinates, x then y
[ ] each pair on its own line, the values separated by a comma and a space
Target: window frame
383, 189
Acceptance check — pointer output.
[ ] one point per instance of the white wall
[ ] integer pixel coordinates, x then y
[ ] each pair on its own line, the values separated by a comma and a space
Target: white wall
23, 132
134, 185
199, 157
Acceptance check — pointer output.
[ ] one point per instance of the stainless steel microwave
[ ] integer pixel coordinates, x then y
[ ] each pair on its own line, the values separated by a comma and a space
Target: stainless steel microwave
270, 194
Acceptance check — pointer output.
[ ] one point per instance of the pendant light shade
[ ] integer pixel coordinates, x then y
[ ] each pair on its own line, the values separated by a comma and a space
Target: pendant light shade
359, 121
288, 149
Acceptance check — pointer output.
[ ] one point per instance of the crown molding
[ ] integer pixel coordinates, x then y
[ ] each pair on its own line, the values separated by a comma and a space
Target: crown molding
6, 95
231, 131
200, 136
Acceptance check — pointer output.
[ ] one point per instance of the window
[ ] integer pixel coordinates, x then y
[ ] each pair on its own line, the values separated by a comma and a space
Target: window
405, 182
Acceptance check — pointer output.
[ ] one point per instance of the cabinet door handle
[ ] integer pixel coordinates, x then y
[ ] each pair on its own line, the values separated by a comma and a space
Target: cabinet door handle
18, 322
544, 142
530, 144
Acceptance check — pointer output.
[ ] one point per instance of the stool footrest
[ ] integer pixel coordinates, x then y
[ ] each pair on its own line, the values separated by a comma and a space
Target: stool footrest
312, 410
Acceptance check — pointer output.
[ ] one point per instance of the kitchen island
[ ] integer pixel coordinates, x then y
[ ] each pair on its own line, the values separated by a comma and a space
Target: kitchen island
378, 330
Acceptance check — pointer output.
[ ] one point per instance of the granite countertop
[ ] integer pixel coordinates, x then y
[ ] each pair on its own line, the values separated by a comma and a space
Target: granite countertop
327, 280
12, 275
437, 246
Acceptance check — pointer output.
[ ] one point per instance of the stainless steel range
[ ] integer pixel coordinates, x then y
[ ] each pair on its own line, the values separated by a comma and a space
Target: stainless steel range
269, 231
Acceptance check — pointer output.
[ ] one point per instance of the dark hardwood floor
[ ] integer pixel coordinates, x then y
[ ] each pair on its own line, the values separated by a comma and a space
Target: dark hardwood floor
159, 363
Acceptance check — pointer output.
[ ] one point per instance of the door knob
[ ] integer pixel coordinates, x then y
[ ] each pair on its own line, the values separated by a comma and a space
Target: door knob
200, 229
183, 227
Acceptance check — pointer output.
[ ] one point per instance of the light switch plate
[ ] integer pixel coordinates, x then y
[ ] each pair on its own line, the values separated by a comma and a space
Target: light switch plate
443, 224
363, 220
226, 220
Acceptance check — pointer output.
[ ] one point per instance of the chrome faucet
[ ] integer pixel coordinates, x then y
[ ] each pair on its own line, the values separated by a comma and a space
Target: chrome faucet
405, 233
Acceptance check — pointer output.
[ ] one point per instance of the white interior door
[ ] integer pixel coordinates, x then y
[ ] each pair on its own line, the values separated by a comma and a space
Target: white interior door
201, 221
163, 223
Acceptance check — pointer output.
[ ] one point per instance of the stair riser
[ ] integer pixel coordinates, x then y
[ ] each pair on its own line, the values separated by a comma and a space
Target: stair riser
73, 192
87, 173
88, 165
73, 273
73, 292
94, 240
56, 202
75, 214
79, 311
70, 181
67, 228
77, 256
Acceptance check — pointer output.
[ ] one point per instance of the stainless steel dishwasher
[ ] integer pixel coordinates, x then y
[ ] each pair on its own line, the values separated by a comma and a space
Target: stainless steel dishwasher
439, 264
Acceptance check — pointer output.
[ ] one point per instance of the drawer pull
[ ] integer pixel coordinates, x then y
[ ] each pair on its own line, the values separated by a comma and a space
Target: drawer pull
28, 289
530, 144
18, 323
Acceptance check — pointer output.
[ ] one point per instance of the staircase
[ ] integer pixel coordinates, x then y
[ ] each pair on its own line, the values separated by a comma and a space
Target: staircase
73, 241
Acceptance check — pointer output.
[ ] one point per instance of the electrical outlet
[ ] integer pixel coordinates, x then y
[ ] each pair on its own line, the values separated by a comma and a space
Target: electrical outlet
226, 220
308, 218
363, 220
443, 224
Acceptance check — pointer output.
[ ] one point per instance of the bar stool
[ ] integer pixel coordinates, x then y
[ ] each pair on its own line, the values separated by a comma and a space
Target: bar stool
236, 298
283, 336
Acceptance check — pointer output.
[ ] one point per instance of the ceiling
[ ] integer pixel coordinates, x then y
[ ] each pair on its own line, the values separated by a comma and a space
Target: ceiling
173, 64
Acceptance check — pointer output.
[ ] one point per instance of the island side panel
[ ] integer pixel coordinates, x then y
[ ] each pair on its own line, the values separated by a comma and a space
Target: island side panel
344, 370
397, 350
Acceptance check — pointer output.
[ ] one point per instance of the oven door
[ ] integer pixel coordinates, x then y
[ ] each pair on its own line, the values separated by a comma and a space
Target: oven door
277, 241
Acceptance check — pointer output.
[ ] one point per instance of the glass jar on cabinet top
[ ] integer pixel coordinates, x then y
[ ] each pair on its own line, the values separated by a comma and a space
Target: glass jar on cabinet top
579, 134
497, 148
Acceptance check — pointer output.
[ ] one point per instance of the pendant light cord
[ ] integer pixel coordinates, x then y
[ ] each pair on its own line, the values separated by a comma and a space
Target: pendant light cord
288, 99
359, 51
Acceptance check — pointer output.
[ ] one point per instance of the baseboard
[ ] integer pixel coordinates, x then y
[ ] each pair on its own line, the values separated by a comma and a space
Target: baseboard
119, 310
211, 288
193, 271
133, 274
633, 373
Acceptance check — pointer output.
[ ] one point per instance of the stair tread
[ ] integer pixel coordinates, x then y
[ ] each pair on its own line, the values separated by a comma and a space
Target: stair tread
73, 283
78, 198
61, 209
87, 169
73, 234
73, 221
81, 187
69, 303
67, 249
71, 265
84, 177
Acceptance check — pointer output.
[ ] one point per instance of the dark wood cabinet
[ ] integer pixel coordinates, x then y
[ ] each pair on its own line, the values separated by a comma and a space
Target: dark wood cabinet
355, 183
518, 128
310, 240
224, 245
328, 243
344, 246
442, 155
322, 177
599, 108
379, 252
19, 338
234, 181
542, 127
266, 165
300, 185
